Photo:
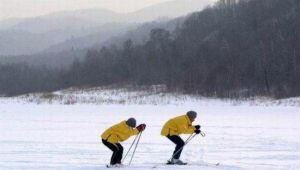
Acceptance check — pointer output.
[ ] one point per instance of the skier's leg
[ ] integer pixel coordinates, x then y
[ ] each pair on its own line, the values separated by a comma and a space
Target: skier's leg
179, 145
120, 153
114, 148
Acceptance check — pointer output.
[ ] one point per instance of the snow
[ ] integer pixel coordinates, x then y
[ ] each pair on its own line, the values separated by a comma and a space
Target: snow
133, 96
58, 136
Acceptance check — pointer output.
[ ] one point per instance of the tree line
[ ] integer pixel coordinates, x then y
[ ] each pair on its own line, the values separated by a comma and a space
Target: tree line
233, 49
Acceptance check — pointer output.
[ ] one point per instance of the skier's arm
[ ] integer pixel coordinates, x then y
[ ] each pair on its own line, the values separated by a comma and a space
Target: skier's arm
190, 129
135, 132
186, 128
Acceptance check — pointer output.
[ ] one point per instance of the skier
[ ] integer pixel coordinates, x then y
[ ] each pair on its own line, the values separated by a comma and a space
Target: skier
119, 133
176, 126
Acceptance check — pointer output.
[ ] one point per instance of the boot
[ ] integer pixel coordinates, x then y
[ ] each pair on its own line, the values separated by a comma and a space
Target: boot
177, 162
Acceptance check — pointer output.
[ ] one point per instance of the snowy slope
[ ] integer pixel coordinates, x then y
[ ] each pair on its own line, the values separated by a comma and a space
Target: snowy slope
56, 136
155, 95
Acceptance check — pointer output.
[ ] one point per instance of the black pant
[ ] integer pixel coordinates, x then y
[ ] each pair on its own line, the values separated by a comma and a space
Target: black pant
117, 152
179, 145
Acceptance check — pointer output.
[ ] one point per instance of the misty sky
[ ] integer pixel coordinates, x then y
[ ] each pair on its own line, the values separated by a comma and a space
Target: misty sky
29, 8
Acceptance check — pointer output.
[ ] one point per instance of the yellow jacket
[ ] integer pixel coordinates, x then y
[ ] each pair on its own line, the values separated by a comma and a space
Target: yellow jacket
119, 132
178, 125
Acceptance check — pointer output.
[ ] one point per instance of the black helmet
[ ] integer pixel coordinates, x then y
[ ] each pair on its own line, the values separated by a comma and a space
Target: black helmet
192, 115
131, 122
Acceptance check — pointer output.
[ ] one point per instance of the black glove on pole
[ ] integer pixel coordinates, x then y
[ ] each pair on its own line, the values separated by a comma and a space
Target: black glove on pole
197, 127
197, 131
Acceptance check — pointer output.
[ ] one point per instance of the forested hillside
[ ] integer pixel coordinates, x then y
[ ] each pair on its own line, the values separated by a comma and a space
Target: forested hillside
230, 50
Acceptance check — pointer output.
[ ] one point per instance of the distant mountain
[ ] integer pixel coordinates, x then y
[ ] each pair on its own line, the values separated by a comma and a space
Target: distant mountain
33, 35
17, 42
103, 34
62, 59
80, 29
74, 21
140, 34
63, 54
163, 13
170, 9
80, 20
8, 23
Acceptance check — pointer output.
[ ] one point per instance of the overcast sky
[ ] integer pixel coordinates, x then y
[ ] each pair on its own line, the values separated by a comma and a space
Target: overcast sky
28, 8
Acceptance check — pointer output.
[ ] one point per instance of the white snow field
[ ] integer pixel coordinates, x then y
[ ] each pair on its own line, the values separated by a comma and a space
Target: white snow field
56, 136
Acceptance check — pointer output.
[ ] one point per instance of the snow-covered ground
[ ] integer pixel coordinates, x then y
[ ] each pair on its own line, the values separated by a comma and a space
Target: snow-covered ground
57, 136
128, 96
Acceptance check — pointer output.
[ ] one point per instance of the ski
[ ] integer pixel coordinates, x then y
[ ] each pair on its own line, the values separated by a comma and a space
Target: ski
202, 164
114, 166
170, 163
207, 164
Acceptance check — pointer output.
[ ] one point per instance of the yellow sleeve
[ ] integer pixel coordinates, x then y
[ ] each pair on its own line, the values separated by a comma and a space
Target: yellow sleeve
135, 132
183, 125
190, 129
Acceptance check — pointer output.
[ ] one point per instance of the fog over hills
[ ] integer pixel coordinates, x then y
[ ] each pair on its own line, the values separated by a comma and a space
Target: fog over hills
80, 29
77, 20
8, 23
171, 9
42, 32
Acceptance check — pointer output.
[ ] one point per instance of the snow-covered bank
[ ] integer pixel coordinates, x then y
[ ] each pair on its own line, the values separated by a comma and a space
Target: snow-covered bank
156, 95
54, 136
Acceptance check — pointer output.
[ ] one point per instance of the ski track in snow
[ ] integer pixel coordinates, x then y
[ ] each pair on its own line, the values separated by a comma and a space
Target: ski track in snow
63, 137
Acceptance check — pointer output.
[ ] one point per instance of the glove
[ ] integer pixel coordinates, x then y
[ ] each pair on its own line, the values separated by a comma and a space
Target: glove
141, 127
197, 127
197, 131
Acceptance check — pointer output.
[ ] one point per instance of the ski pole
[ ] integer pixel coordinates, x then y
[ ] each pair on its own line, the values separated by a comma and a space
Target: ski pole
129, 148
185, 143
202, 134
139, 137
